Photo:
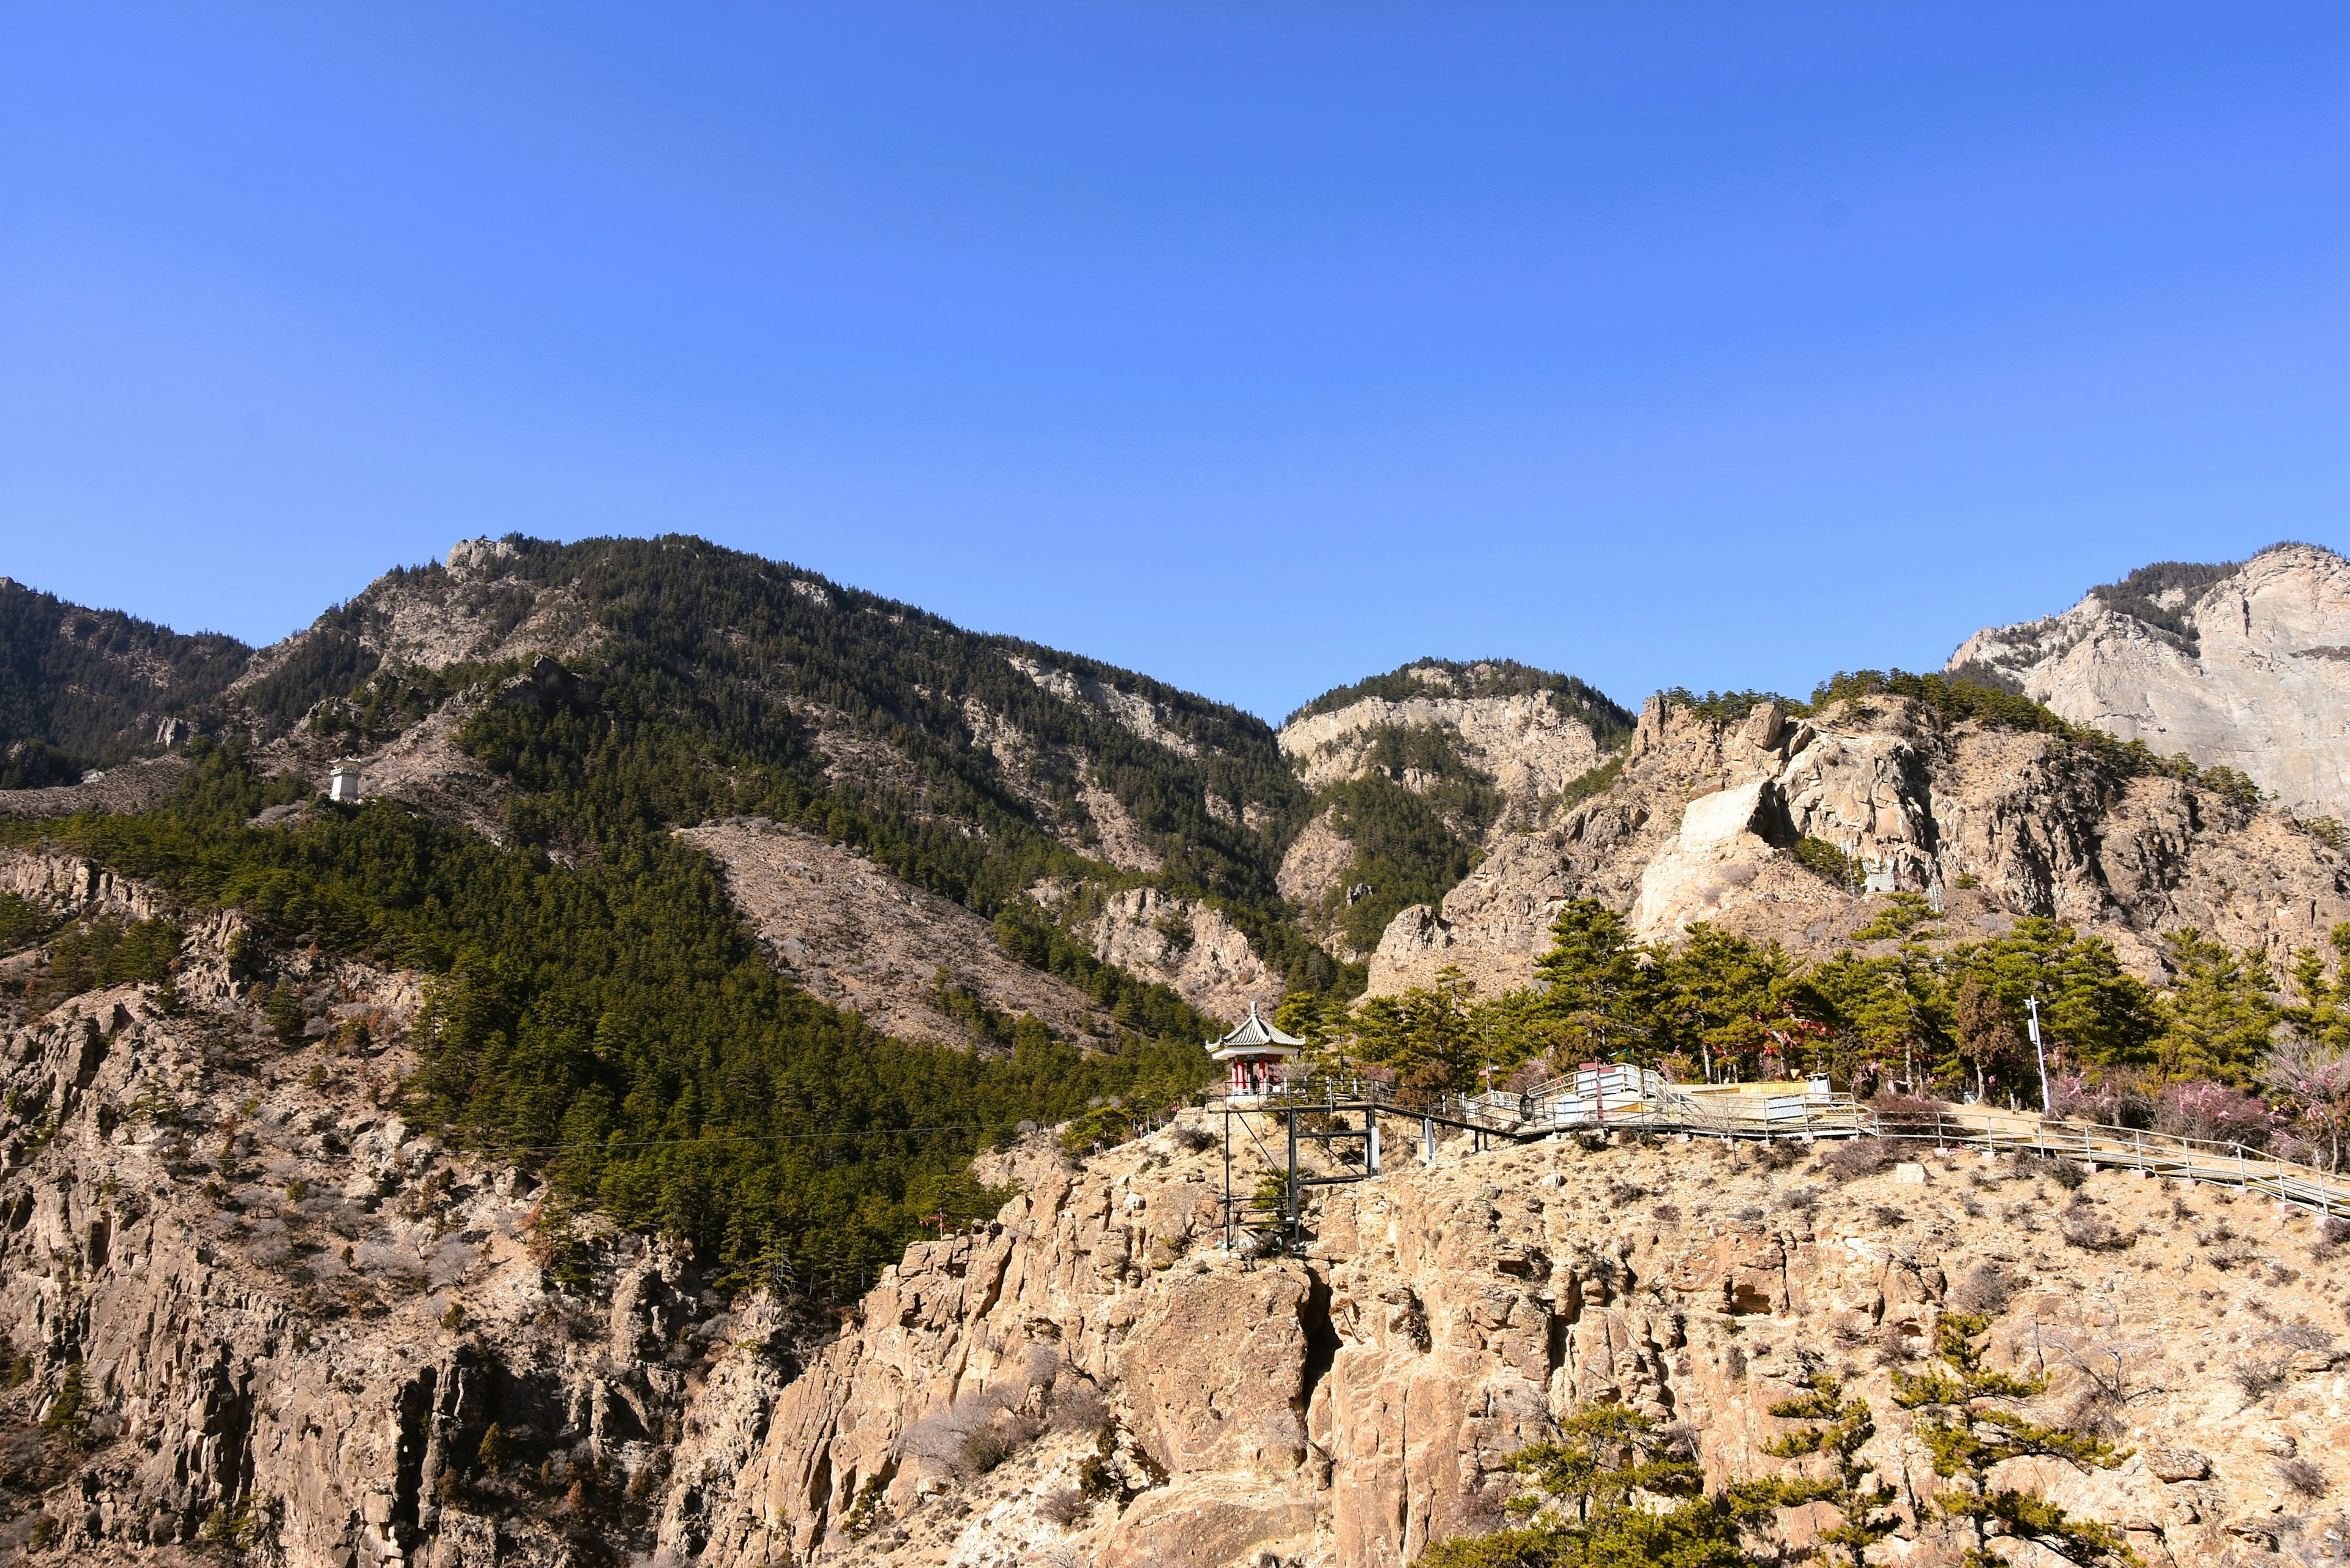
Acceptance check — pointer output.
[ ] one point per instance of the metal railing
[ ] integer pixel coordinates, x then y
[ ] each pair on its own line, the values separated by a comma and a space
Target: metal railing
1660, 1107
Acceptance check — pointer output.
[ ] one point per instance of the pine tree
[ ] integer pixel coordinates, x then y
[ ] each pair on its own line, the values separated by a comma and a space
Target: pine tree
1839, 1428
1600, 987
2218, 1020
1591, 1506
1969, 1423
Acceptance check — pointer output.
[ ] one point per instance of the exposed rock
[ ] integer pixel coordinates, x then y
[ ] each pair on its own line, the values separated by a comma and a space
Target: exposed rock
1110, 832
290, 1321
1529, 744
2261, 686
1134, 709
857, 937
1347, 1408
1314, 861
1698, 826
1189, 946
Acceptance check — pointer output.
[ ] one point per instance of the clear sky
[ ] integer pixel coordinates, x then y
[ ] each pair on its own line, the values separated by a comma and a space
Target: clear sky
1261, 347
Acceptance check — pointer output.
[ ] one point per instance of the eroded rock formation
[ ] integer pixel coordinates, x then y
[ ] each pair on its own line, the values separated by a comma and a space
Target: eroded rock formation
1703, 820
2257, 678
1348, 1406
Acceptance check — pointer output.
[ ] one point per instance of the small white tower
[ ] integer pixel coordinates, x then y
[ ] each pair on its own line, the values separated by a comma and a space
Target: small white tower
343, 781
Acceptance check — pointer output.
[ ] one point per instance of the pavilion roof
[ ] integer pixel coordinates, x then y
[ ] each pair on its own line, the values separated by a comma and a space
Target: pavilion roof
1254, 1037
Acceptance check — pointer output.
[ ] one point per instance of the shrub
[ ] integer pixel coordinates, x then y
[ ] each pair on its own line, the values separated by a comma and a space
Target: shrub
1906, 1113
2214, 1113
1985, 1288
1825, 861
972, 1436
994, 1443
2107, 1100
2064, 1173
1063, 1506
2255, 1377
2301, 1477
2086, 1228
1860, 1156
1188, 1139
1078, 1405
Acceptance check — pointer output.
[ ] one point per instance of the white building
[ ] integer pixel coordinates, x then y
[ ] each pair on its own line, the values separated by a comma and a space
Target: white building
343, 780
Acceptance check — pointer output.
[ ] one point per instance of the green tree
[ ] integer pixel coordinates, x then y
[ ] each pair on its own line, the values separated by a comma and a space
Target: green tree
1967, 1417
1719, 992
1883, 1008
1986, 1040
2321, 1012
1428, 1038
1591, 1504
1838, 1429
2218, 1020
2093, 1013
1600, 989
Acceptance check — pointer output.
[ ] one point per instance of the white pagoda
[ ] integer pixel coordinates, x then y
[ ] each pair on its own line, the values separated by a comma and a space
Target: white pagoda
1256, 1055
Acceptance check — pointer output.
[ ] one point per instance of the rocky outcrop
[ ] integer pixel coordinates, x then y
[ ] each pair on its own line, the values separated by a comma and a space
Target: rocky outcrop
1186, 945
1348, 1406
244, 1304
132, 786
2259, 682
860, 938
1316, 860
1530, 745
1703, 819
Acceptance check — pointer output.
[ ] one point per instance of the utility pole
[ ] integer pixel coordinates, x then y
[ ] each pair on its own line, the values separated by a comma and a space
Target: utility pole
2032, 1003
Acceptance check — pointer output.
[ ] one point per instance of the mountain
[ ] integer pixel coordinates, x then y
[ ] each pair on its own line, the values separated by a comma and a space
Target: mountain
727, 1094
83, 688
1719, 807
1412, 770
2243, 665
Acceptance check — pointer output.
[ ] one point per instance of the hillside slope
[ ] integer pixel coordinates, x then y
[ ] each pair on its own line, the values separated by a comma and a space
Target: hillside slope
2242, 666
1411, 770
1704, 821
250, 1306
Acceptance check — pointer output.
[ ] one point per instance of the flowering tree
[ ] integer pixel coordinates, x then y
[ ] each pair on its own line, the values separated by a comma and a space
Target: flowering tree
2310, 1081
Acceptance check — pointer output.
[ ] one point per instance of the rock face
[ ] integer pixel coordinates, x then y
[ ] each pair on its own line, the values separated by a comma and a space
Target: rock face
1530, 745
857, 937
245, 1304
1349, 1408
1701, 824
1452, 735
1188, 946
2259, 680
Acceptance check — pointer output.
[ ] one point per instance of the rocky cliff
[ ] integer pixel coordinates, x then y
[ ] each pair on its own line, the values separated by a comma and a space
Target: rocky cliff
2245, 667
249, 1311
1091, 1380
1702, 823
248, 1308
1411, 770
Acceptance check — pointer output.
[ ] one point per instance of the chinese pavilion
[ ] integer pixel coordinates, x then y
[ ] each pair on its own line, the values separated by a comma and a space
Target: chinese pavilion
1255, 1054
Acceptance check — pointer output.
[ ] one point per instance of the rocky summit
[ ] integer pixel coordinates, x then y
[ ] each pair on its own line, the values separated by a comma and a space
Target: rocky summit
626, 1051
2239, 666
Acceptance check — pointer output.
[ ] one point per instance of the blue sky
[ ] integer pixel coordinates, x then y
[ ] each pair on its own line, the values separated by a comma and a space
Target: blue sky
1261, 348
